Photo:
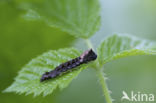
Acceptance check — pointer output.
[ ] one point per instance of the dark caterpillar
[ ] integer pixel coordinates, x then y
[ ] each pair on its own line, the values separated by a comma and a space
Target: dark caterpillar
86, 57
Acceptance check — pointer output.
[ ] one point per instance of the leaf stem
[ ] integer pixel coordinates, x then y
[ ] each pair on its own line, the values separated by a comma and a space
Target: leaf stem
89, 44
102, 81
100, 75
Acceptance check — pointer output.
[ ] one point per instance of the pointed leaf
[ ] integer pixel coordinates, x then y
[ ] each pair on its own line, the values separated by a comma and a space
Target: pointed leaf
117, 46
28, 79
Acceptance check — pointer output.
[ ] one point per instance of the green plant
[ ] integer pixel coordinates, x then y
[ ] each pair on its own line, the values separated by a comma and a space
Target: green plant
80, 18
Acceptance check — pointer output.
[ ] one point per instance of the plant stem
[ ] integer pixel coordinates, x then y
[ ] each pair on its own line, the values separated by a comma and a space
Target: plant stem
100, 75
89, 44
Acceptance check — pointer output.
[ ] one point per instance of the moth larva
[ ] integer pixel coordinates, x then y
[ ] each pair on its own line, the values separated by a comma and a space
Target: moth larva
84, 58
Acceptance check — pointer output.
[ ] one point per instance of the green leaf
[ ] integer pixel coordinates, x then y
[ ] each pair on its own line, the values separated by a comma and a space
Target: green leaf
80, 18
28, 79
118, 46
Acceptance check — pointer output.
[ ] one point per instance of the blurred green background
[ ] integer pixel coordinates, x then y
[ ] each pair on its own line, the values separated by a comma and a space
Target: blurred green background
22, 40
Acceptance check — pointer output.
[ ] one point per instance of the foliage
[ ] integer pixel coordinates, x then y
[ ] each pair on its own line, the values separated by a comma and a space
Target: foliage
114, 47
80, 18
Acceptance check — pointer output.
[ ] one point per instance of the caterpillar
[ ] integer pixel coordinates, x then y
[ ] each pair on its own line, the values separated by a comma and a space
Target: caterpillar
87, 56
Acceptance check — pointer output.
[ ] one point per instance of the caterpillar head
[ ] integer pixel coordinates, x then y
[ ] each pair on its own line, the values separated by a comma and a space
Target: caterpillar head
88, 56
